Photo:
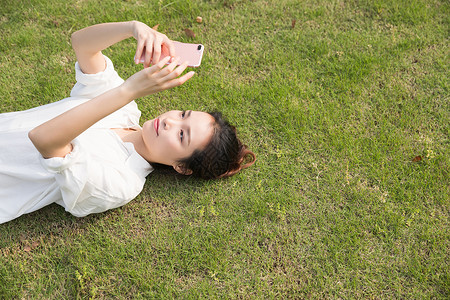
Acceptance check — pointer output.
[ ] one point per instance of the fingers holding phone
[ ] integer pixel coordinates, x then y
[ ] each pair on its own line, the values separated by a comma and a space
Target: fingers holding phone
190, 53
152, 46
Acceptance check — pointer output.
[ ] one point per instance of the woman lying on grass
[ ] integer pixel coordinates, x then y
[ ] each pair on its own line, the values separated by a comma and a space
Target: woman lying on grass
88, 152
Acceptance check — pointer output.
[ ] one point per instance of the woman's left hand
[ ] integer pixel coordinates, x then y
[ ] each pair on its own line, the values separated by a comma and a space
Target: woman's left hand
155, 79
151, 44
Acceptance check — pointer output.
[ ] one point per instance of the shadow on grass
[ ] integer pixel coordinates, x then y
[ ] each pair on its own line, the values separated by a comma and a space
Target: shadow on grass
53, 220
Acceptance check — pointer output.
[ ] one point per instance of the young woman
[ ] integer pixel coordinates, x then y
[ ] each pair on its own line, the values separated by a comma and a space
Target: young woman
88, 152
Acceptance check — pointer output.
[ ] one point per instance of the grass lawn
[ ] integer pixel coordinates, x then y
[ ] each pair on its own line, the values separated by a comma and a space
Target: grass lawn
347, 110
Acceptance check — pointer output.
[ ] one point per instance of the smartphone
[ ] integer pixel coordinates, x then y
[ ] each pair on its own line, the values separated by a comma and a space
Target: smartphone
192, 53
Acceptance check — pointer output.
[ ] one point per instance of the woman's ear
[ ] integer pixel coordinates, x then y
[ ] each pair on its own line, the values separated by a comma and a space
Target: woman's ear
182, 169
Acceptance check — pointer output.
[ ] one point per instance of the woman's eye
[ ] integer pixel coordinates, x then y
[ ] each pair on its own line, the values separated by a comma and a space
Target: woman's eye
183, 114
181, 135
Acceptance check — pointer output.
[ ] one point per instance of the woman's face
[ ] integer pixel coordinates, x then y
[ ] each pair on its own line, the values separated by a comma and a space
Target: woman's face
176, 134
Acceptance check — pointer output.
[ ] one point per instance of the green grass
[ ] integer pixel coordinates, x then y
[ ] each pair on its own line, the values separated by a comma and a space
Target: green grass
335, 109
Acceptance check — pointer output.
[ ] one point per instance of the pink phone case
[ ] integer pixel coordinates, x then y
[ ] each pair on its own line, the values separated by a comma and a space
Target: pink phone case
192, 53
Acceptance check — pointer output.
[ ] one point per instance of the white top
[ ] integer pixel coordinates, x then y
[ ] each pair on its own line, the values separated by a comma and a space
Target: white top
102, 172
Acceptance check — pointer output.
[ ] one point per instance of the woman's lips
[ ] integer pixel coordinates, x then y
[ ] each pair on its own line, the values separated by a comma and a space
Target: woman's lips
156, 125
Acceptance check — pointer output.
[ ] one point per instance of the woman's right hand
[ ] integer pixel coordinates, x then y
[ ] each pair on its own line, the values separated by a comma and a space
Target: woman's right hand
156, 78
151, 44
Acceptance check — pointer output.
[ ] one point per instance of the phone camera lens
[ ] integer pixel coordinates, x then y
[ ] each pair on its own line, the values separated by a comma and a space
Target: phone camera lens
199, 47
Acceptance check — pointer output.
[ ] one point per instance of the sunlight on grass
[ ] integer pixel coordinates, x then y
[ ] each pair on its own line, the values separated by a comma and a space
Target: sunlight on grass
336, 106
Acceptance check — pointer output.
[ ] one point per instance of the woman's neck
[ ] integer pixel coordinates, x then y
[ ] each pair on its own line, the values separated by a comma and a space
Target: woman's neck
134, 136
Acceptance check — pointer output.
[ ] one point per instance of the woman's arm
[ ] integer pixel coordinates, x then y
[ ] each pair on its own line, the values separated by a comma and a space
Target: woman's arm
90, 41
54, 137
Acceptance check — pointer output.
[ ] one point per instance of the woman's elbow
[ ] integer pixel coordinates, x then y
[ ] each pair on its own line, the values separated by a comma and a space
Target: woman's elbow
74, 40
46, 145
34, 137
39, 141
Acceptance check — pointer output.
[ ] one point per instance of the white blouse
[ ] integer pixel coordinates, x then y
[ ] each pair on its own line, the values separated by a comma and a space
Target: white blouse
100, 173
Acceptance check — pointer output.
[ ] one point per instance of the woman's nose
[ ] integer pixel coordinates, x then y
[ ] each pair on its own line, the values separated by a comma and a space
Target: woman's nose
168, 122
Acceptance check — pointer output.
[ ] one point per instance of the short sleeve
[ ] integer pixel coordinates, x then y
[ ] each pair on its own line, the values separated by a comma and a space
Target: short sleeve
92, 85
89, 86
89, 185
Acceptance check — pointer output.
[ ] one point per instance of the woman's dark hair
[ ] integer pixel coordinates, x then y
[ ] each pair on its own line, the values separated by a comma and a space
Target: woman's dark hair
223, 156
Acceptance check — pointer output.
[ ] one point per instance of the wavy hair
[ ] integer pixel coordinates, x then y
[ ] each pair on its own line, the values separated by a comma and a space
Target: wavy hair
224, 155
